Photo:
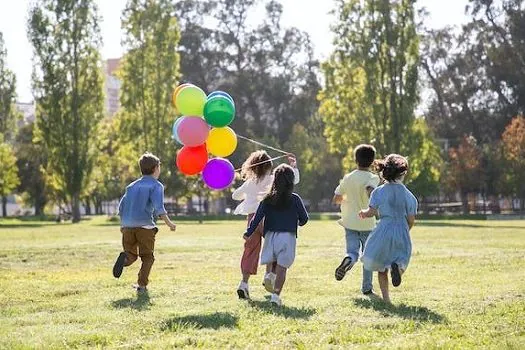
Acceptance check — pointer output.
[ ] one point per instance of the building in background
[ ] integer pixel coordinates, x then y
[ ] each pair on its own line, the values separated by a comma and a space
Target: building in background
28, 111
112, 85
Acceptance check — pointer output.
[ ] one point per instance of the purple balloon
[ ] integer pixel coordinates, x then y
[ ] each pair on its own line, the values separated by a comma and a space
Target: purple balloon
218, 174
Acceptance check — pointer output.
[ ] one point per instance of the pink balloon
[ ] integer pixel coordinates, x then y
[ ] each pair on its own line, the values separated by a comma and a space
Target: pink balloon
193, 131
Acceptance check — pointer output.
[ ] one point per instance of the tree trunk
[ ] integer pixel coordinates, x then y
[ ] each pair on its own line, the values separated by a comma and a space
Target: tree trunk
39, 208
4, 206
88, 206
464, 202
75, 208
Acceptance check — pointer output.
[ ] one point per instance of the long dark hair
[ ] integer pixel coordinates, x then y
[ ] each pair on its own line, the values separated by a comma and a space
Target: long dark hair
280, 195
258, 165
393, 167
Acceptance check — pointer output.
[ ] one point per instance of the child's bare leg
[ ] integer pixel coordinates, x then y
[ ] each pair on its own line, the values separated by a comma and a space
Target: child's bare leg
281, 277
383, 284
271, 267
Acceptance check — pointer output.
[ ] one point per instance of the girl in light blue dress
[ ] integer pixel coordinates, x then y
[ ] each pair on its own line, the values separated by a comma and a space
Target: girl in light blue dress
389, 247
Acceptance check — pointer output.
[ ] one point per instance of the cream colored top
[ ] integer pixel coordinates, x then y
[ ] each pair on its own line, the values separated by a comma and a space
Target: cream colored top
355, 197
252, 192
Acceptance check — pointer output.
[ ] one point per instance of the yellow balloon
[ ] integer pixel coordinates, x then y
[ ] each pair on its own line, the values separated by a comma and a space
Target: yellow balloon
222, 142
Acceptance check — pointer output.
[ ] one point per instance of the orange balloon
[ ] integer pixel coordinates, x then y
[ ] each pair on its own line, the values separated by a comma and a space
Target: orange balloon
176, 92
192, 160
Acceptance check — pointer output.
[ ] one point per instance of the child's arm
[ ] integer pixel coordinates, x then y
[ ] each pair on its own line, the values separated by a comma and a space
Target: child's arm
301, 212
121, 204
259, 215
368, 213
339, 192
411, 221
168, 222
338, 199
157, 198
293, 163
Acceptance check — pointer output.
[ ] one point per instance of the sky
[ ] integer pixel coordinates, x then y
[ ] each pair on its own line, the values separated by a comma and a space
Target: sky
311, 16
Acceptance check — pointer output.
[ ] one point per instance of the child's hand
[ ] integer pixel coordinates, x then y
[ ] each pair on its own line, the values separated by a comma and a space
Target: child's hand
292, 161
172, 226
362, 214
246, 237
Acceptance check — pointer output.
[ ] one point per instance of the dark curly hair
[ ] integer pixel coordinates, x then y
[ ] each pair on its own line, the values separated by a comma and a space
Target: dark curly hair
251, 170
393, 167
280, 195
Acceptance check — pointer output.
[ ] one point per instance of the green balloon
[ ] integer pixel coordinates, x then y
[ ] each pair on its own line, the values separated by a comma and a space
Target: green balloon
190, 101
219, 111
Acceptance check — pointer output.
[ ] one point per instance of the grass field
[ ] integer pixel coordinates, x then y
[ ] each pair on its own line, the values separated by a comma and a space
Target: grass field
465, 288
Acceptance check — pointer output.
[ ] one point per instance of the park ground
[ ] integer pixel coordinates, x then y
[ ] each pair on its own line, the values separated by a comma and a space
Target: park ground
465, 288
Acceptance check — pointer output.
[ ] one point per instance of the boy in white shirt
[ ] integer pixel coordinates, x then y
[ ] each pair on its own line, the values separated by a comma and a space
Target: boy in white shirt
353, 194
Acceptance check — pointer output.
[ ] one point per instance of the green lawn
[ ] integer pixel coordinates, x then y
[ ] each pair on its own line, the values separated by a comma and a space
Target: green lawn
465, 288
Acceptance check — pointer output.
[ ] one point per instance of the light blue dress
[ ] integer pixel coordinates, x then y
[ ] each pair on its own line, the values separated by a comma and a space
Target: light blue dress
390, 241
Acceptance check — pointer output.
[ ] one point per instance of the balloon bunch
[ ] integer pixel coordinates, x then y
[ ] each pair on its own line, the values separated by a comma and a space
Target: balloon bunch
202, 129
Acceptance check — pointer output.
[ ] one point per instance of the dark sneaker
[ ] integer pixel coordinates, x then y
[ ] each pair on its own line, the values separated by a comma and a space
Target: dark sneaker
343, 268
119, 265
368, 292
395, 274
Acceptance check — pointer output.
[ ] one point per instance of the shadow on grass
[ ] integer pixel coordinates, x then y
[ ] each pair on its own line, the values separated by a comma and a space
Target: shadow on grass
459, 224
212, 321
24, 225
142, 302
415, 313
283, 311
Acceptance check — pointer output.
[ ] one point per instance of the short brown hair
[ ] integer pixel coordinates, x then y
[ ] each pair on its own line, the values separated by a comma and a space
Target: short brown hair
148, 162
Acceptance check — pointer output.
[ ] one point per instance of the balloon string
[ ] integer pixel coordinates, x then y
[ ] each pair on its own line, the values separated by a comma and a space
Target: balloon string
263, 145
266, 161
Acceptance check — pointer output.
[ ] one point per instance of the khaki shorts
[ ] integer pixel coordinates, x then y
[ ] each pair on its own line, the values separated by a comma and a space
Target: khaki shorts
279, 247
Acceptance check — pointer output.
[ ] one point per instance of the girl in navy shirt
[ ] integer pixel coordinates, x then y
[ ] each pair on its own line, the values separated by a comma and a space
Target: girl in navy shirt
282, 211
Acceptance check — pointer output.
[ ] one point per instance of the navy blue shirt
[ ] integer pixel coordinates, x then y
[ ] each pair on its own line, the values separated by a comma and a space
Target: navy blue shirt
280, 219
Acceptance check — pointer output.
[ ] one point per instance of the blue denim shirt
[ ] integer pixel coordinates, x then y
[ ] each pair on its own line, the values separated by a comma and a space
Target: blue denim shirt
144, 199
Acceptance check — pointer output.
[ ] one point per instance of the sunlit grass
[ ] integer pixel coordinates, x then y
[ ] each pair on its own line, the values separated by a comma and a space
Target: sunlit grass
465, 288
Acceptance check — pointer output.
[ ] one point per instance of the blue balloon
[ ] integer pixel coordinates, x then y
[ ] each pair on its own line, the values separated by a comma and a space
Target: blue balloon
221, 93
174, 134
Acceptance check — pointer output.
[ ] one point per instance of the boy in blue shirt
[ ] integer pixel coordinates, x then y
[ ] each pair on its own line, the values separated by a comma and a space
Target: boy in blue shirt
144, 199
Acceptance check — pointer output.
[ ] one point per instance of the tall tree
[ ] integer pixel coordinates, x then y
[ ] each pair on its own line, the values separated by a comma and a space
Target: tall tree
371, 77
371, 87
464, 171
513, 145
31, 161
149, 73
8, 116
270, 70
8, 174
8, 113
68, 88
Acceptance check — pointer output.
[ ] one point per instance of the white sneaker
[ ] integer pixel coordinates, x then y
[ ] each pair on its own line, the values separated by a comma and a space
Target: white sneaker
276, 300
269, 281
243, 291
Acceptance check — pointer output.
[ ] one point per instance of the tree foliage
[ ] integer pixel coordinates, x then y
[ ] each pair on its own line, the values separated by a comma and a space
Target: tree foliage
8, 113
149, 73
513, 146
31, 161
68, 88
8, 174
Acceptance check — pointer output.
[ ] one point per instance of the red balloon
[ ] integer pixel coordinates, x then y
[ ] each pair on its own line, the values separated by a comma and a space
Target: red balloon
192, 160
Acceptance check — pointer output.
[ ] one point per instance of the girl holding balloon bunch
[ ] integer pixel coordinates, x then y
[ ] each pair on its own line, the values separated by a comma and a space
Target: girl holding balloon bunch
258, 178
